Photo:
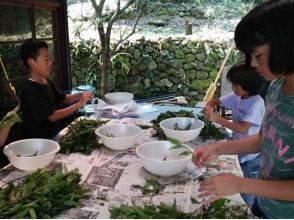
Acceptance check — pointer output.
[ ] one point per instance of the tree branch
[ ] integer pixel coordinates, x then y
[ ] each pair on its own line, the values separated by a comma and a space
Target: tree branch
118, 12
98, 8
122, 39
99, 23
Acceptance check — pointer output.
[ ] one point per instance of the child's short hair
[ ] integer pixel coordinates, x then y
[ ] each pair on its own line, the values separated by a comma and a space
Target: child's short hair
246, 77
30, 49
271, 22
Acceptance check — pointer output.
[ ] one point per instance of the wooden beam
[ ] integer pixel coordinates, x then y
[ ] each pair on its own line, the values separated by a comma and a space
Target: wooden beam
28, 3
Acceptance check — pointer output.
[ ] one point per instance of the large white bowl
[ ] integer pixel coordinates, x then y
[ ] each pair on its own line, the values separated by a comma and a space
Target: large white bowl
118, 97
168, 127
20, 153
152, 156
119, 136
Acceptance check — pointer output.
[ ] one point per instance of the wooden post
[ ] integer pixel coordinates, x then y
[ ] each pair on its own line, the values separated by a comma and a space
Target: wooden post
188, 26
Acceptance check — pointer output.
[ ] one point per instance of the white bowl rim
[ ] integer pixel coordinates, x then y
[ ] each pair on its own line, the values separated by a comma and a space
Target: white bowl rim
131, 95
97, 131
163, 161
168, 119
32, 157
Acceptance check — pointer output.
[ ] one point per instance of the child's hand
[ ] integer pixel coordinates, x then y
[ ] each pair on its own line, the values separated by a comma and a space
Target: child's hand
205, 153
209, 114
210, 103
219, 186
85, 97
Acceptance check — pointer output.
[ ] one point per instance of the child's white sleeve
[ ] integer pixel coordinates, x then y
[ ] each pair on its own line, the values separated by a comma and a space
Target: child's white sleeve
229, 100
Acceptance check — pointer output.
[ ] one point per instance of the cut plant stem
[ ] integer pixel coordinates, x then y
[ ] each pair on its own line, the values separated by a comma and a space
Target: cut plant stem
109, 134
183, 129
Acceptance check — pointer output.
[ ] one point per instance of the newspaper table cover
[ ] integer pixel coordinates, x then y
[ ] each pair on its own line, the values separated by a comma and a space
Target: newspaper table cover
110, 177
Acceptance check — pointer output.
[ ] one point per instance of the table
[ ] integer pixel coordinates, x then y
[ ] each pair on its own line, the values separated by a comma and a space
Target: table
110, 175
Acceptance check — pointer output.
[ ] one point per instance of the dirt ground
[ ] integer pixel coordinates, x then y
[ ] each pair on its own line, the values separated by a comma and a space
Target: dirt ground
215, 28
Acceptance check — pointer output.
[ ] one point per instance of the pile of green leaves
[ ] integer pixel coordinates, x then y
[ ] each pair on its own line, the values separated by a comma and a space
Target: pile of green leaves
81, 137
151, 186
218, 209
43, 194
10, 118
221, 209
159, 132
208, 131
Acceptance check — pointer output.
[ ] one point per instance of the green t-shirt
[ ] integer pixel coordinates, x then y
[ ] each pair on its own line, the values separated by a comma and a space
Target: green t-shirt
277, 146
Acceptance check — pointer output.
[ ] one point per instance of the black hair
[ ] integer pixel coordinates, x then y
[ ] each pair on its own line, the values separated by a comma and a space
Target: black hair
246, 77
271, 22
30, 49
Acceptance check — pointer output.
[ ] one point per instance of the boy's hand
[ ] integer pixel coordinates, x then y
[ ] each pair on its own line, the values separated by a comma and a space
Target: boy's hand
85, 97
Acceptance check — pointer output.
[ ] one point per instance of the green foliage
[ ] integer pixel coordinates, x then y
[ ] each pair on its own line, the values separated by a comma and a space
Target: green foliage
210, 130
176, 1
121, 61
11, 118
177, 145
169, 114
12, 63
151, 186
218, 209
88, 54
227, 9
43, 194
81, 137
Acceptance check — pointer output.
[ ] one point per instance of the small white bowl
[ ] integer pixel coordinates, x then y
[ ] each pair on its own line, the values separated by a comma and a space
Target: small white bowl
168, 127
160, 160
21, 153
118, 97
119, 136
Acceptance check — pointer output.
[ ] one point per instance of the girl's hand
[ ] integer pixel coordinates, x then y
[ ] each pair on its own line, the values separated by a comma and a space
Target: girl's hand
205, 153
209, 113
219, 186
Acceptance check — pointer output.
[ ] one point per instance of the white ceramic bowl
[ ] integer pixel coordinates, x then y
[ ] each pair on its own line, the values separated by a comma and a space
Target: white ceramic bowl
119, 136
168, 127
118, 97
152, 156
22, 153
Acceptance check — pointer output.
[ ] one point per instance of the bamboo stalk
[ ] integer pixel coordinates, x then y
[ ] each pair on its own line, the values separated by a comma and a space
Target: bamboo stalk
212, 88
10, 87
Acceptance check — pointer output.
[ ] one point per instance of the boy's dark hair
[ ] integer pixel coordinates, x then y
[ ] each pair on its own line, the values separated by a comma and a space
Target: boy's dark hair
271, 22
30, 49
246, 77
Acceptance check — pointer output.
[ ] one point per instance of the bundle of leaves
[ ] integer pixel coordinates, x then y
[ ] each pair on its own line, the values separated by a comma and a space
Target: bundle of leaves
208, 131
42, 194
11, 118
151, 186
81, 137
218, 209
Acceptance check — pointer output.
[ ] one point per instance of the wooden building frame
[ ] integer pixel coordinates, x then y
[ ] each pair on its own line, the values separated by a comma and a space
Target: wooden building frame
59, 38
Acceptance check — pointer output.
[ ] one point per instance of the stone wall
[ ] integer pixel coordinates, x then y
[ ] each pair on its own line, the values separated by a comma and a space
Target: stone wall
155, 67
